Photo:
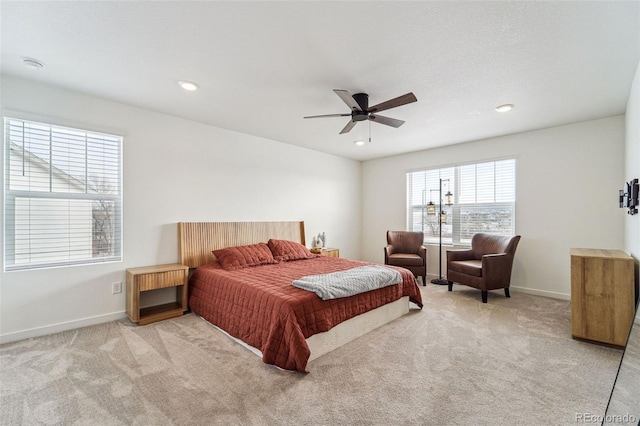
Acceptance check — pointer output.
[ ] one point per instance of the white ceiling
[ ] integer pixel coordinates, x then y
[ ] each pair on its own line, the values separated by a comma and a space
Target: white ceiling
262, 66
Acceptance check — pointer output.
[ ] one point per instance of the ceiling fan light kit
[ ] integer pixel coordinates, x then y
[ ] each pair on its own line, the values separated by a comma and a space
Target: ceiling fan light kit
360, 110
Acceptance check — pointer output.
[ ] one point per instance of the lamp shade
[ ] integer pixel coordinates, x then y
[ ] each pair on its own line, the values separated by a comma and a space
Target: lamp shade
449, 197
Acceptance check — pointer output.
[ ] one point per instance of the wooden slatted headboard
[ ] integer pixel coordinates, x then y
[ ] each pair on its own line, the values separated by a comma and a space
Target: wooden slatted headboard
196, 240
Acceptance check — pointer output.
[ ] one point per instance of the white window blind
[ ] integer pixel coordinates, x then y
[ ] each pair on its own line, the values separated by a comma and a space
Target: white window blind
63, 196
483, 201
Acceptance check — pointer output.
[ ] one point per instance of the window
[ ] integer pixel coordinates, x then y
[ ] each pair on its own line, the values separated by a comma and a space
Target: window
63, 196
483, 201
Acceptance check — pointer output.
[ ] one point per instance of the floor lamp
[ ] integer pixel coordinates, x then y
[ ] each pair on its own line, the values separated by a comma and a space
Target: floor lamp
442, 217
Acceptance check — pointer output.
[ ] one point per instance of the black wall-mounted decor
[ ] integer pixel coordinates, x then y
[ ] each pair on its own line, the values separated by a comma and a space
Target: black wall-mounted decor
629, 198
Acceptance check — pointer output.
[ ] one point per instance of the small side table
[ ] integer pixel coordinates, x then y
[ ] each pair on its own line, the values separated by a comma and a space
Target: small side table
151, 278
326, 251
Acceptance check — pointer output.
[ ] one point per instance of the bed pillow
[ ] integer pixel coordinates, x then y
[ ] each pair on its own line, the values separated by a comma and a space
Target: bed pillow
238, 257
284, 250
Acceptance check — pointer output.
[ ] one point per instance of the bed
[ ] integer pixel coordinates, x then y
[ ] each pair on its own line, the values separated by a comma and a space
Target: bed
258, 304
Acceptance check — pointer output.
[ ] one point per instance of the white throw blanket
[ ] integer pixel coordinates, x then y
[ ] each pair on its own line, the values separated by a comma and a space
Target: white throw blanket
349, 282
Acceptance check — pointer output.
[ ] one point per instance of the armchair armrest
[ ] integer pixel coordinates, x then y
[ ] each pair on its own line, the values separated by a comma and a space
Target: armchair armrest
496, 269
388, 251
489, 256
422, 252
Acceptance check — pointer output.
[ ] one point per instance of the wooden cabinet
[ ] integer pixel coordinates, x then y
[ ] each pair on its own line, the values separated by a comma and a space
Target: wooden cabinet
149, 278
602, 295
326, 251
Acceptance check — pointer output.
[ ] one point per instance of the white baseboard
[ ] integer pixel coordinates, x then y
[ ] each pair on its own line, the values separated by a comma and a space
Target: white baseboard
59, 327
544, 293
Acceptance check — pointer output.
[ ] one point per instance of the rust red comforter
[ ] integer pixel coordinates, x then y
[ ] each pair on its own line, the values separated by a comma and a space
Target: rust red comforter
259, 306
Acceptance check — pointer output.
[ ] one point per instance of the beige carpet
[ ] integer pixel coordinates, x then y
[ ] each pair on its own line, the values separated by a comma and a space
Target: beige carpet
457, 362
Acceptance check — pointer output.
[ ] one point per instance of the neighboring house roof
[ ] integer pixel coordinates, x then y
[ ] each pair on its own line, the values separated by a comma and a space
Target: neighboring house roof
36, 161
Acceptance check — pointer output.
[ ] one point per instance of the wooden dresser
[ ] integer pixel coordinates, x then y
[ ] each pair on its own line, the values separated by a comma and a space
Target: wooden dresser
602, 295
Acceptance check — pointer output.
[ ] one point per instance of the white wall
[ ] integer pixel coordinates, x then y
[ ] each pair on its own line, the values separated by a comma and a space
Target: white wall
567, 181
632, 164
178, 170
174, 170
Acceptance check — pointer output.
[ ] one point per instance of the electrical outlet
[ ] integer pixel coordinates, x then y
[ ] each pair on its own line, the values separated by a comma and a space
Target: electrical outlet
116, 288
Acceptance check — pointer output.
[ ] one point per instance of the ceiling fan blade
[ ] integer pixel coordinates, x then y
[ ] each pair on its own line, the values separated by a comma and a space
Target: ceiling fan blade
395, 102
348, 99
386, 120
348, 127
328, 115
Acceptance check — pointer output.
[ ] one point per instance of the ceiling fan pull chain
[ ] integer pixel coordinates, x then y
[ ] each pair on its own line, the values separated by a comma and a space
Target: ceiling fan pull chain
369, 131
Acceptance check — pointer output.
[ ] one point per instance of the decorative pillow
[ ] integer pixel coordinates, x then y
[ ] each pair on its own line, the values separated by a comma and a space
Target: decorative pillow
238, 257
284, 250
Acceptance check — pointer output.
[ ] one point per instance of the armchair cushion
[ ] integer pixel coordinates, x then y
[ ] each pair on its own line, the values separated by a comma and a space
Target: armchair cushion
467, 267
406, 259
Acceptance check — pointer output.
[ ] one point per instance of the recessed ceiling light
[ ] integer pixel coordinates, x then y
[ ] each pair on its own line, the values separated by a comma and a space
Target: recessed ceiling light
359, 143
188, 85
504, 108
32, 64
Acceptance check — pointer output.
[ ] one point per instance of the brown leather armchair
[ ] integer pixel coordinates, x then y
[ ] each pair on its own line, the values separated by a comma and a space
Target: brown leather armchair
486, 266
405, 249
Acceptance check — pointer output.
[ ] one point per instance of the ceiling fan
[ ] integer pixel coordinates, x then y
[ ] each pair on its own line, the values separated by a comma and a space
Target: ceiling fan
360, 110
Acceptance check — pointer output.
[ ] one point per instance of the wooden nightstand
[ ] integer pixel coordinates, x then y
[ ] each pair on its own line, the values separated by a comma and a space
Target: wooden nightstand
151, 278
326, 251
